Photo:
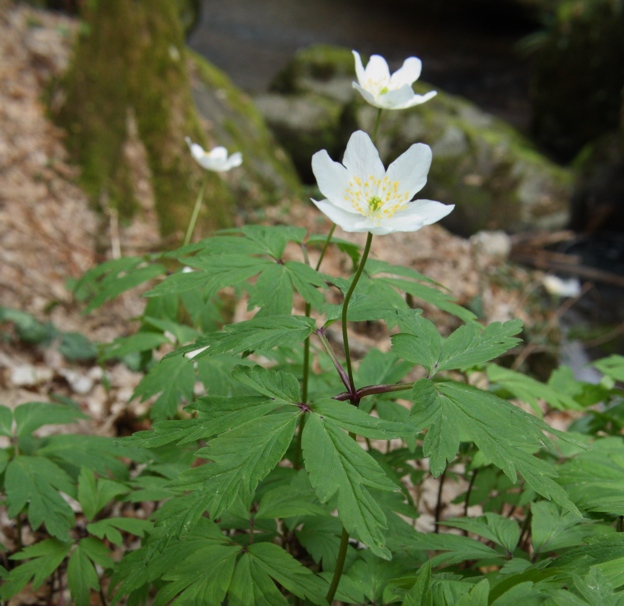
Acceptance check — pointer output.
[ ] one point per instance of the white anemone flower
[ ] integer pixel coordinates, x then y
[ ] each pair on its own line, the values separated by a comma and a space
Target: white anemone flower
361, 196
216, 159
382, 90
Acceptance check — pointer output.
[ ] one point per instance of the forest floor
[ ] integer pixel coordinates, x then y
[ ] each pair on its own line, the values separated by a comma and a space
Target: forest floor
50, 235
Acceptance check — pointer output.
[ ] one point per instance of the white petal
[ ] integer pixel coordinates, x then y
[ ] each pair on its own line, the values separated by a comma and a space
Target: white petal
368, 96
362, 158
418, 214
234, 160
408, 74
332, 178
218, 154
397, 99
419, 99
339, 216
377, 70
359, 68
410, 169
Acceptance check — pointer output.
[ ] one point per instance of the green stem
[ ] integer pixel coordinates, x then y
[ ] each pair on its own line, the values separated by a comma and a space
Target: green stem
377, 121
193, 221
345, 307
325, 246
340, 562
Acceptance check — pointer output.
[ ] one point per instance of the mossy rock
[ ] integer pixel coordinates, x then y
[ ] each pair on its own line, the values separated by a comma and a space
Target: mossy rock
494, 176
268, 175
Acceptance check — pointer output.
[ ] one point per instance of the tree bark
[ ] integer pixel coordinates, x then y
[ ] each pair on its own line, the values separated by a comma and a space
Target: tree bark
128, 79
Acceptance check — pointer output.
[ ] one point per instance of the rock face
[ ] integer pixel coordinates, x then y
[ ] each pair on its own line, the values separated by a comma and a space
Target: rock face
496, 179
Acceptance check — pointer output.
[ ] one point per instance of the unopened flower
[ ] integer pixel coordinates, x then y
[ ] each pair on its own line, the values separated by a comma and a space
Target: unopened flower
216, 159
361, 196
387, 91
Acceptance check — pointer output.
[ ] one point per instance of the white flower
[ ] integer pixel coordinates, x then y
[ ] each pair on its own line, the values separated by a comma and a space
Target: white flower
216, 159
558, 287
363, 197
382, 90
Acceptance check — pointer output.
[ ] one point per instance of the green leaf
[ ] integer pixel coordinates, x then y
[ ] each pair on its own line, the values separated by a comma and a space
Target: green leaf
272, 292
81, 577
45, 557
195, 583
468, 346
321, 538
338, 465
613, 367
379, 368
254, 334
420, 593
142, 341
109, 528
552, 530
529, 390
283, 387
595, 479
478, 595
241, 458
355, 420
94, 495
76, 347
112, 278
251, 585
6, 421
216, 415
307, 281
173, 378
505, 434
33, 415
287, 502
288, 572
35, 482
492, 526
457, 548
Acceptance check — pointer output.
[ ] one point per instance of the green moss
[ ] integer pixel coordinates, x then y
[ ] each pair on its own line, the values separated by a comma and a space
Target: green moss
129, 67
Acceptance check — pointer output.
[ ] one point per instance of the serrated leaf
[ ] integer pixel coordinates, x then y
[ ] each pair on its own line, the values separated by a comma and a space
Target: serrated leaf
468, 346
251, 585
378, 368
81, 577
478, 595
307, 281
217, 414
35, 482
456, 548
272, 292
45, 557
492, 526
552, 529
420, 593
287, 502
33, 415
120, 275
173, 378
529, 390
337, 465
353, 419
595, 479
505, 434
193, 582
254, 334
141, 341
321, 539
93, 495
288, 572
278, 385
241, 458
109, 528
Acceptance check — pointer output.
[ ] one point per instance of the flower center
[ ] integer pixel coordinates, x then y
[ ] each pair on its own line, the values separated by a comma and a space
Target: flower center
384, 90
376, 198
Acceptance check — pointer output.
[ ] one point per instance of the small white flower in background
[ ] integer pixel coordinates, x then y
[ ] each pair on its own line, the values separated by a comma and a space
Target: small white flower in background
191, 354
363, 197
559, 287
216, 159
382, 90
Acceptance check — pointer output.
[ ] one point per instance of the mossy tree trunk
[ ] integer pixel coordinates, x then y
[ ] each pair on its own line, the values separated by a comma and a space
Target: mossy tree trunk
128, 80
